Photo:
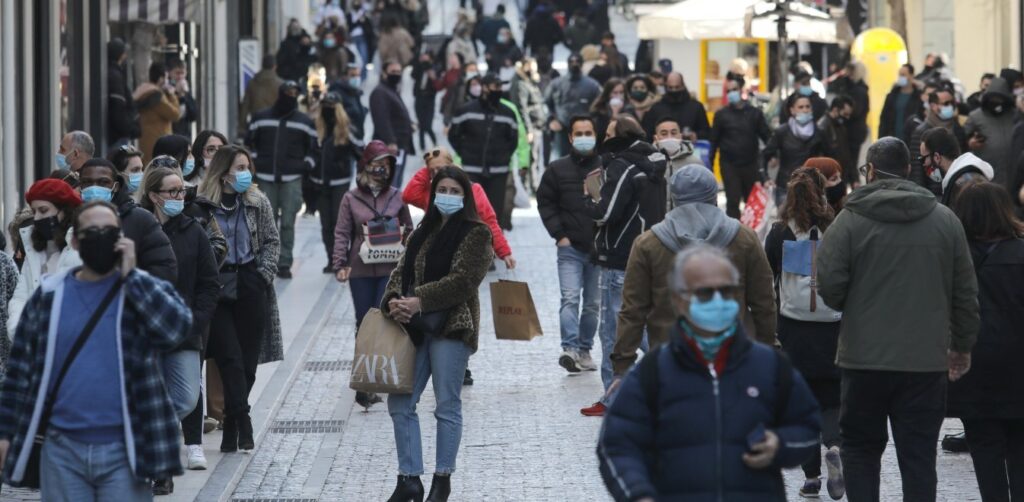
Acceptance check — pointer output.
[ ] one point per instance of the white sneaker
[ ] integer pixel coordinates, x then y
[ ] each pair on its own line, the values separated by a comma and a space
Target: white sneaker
570, 360
196, 458
586, 363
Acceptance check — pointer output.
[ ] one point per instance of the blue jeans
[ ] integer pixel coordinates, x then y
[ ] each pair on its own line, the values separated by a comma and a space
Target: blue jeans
182, 372
444, 360
577, 276
367, 293
364, 52
79, 472
611, 302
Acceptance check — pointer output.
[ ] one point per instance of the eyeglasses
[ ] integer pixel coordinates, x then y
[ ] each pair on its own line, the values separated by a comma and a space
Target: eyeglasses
174, 192
212, 149
706, 294
432, 154
863, 170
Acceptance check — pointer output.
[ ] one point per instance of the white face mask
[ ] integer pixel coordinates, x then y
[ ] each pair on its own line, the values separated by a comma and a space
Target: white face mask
475, 90
671, 146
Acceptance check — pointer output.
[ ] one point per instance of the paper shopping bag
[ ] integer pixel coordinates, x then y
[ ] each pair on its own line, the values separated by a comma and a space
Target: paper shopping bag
515, 316
385, 359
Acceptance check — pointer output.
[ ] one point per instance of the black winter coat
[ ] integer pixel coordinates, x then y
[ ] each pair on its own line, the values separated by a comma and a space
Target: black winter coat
391, 122
888, 121
484, 136
994, 387
542, 32
819, 107
153, 251
335, 165
352, 102
561, 202
633, 198
293, 58
688, 113
282, 146
917, 172
197, 276
793, 151
123, 118
735, 135
184, 125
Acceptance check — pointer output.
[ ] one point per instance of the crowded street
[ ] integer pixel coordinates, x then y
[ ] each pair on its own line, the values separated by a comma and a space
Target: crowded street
511, 251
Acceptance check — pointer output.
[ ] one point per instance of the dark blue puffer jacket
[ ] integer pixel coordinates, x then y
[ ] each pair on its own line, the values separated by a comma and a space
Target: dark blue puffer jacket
693, 450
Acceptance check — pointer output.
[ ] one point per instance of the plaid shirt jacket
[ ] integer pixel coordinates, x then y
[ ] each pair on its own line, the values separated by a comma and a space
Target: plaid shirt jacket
153, 319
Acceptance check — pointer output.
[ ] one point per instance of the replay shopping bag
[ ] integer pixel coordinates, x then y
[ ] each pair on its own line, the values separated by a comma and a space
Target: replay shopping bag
385, 358
515, 316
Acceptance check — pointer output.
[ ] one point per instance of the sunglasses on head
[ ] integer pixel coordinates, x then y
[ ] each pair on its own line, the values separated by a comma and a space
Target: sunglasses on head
164, 161
433, 154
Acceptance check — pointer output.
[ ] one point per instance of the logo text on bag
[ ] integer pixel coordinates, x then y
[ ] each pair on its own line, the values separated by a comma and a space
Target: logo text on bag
378, 368
510, 310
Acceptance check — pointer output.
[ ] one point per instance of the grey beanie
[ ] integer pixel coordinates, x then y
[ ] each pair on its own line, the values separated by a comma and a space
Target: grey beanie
694, 183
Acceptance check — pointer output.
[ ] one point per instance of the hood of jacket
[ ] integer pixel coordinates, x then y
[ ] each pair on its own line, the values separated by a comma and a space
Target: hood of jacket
374, 150
145, 93
696, 223
967, 160
998, 88
892, 201
645, 156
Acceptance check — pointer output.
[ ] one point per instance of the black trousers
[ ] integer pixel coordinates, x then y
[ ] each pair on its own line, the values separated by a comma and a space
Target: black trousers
192, 424
738, 181
997, 449
494, 186
328, 202
826, 392
236, 334
914, 404
425, 109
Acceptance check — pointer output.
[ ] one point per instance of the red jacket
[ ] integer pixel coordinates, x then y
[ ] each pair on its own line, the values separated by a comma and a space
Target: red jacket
417, 193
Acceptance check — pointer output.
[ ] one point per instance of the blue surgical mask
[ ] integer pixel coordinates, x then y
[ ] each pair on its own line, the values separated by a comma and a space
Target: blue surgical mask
243, 179
805, 90
173, 207
448, 204
709, 346
584, 144
804, 118
97, 193
901, 81
330, 43
134, 179
190, 165
715, 315
62, 161
734, 97
946, 112
355, 82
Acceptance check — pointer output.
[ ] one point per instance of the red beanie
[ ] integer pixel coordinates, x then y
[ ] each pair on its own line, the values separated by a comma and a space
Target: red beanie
55, 191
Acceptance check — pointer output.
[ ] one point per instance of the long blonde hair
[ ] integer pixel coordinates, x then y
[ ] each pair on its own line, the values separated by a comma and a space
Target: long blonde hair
341, 125
212, 187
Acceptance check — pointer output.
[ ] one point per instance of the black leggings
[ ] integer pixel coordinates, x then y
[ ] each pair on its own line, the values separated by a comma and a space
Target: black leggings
236, 335
997, 449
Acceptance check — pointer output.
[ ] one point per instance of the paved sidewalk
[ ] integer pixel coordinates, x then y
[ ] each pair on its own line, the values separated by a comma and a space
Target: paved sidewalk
524, 439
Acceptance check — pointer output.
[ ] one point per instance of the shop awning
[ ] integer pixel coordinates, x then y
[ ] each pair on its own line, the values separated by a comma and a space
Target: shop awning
706, 19
153, 11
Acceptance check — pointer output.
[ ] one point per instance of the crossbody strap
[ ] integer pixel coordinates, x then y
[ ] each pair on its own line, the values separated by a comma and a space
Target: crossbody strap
377, 213
75, 349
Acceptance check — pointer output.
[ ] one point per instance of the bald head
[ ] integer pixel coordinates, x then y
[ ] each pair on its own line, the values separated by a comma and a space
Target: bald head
674, 82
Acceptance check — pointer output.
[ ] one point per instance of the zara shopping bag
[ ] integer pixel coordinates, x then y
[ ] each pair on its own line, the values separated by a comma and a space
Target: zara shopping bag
385, 358
759, 209
515, 316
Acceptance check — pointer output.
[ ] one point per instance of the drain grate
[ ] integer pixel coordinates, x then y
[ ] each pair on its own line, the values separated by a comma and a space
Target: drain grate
273, 500
328, 365
306, 426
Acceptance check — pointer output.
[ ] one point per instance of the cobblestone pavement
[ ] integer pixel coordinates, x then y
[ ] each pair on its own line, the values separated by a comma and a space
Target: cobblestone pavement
524, 438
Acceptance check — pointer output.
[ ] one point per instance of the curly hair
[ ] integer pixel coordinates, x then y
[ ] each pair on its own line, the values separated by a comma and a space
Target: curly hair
805, 203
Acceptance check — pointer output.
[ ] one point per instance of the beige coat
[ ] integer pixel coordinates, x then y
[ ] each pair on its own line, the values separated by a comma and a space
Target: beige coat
396, 45
158, 111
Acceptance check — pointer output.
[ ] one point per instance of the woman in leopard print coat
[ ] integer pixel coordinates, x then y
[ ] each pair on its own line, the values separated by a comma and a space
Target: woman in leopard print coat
433, 292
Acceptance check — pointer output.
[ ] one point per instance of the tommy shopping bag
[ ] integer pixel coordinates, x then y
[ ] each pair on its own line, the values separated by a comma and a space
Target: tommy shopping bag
515, 316
385, 359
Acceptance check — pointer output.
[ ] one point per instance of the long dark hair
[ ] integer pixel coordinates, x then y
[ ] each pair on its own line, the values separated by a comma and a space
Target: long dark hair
197, 149
805, 202
601, 103
174, 145
433, 218
986, 212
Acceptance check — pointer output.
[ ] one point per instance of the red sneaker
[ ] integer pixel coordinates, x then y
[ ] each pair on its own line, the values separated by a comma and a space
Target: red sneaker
595, 410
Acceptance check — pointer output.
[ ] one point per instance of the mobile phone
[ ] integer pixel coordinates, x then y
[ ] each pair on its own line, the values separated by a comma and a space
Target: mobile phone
756, 436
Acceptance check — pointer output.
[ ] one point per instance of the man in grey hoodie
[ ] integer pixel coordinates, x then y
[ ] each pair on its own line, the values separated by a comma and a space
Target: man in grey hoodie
646, 295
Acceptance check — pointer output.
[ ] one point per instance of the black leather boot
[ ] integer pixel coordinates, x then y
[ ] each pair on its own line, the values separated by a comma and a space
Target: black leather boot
245, 439
229, 440
440, 488
409, 489
163, 486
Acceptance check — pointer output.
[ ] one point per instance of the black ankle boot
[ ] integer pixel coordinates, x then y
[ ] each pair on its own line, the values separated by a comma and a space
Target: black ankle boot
229, 441
245, 440
440, 488
163, 486
409, 489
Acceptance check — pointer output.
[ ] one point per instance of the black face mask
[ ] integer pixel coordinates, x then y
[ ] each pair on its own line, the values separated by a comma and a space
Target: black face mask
394, 80
96, 248
575, 70
835, 194
675, 96
45, 227
494, 98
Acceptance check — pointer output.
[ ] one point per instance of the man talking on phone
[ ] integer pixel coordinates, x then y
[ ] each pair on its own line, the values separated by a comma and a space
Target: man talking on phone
84, 374
711, 415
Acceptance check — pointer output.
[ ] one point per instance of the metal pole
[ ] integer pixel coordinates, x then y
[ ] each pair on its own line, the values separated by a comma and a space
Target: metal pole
8, 124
